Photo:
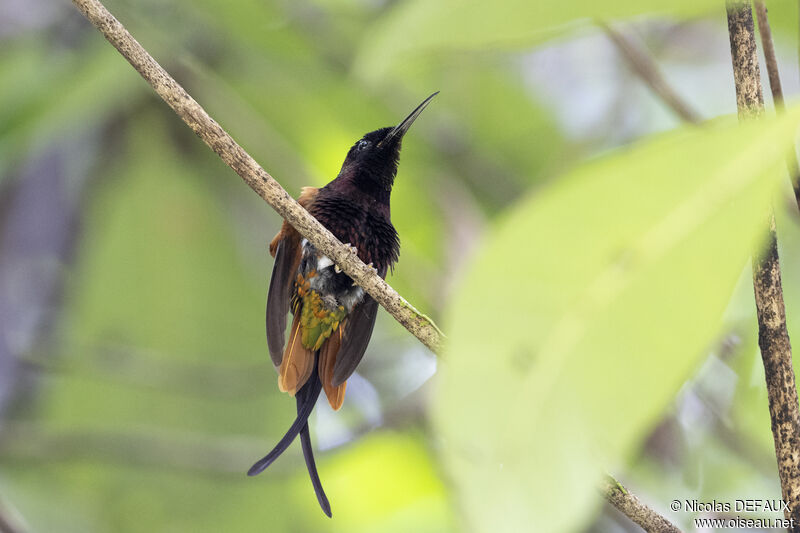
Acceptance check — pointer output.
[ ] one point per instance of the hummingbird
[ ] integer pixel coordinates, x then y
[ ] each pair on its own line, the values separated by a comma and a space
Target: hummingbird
333, 317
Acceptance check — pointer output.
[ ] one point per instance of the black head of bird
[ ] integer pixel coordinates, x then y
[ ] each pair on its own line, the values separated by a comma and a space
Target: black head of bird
371, 163
332, 317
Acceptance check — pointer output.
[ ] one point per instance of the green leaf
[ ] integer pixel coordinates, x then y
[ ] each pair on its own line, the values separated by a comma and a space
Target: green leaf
385, 482
55, 95
586, 310
158, 271
416, 27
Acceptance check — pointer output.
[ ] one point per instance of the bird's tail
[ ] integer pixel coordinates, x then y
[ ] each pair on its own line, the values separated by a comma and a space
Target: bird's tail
308, 453
306, 399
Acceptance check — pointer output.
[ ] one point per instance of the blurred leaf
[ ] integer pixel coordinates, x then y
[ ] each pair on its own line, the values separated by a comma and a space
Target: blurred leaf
49, 94
512, 130
586, 310
415, 27
260, 26
387, 482
158, 271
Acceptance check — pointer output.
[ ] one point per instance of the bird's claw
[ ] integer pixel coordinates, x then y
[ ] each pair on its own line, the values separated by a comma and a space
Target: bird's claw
353, 249
372, 267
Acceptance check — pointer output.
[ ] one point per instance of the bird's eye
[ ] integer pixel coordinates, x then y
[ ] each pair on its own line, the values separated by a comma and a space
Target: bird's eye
360, 145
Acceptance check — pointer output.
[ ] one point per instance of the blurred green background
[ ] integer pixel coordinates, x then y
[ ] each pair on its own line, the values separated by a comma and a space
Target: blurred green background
584, 249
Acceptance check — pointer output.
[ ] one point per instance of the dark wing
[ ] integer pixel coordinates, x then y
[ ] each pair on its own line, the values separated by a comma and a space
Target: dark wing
355, 337
278, 297
285, 248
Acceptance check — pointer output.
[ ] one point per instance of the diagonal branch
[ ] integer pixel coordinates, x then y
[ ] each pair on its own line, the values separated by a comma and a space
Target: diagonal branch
773, 337
642, 64
256, 177
632, 507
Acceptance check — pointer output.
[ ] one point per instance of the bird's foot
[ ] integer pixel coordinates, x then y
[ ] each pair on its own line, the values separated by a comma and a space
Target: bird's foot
371, 267
352, 249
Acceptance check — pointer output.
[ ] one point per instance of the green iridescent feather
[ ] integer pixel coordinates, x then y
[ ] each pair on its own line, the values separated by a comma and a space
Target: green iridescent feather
317, 322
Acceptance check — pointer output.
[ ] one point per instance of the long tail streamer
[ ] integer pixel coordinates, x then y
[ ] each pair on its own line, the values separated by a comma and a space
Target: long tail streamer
305, 404
306, 399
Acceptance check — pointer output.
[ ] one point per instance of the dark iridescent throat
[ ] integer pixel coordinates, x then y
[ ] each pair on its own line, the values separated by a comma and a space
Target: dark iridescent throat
376, 175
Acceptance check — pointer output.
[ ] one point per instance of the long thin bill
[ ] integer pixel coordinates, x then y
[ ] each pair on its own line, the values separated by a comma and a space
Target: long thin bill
402, 128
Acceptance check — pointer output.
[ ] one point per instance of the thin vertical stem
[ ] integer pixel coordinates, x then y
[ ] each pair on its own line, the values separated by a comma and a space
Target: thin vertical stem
773, 338
771, 61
